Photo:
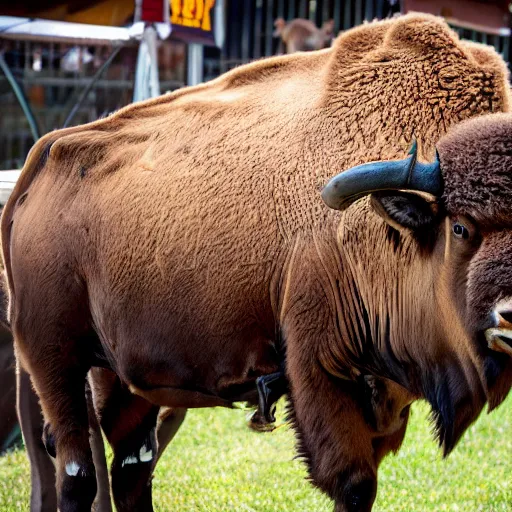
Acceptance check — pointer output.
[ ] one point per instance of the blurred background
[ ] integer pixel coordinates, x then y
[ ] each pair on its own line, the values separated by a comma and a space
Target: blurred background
70, 62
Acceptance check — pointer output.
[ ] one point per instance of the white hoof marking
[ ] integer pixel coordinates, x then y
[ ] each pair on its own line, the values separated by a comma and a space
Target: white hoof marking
72, 468
145, 455
129, 460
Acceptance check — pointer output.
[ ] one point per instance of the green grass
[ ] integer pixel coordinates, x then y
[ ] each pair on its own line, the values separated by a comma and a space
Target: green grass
217, 464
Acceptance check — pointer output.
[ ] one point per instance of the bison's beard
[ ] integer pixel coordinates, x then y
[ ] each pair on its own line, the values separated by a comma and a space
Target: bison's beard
456, 399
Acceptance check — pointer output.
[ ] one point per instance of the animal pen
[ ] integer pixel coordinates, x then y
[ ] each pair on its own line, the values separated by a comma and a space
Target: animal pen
53, 73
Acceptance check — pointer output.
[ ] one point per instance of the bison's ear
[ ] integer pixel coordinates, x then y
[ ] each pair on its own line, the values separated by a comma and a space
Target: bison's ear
410, 210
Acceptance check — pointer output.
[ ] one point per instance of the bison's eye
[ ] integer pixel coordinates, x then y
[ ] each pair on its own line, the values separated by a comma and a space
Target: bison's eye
460, 231
465, 230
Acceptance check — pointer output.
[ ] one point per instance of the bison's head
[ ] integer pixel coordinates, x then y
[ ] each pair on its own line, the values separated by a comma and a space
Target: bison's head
476, 166
458, 212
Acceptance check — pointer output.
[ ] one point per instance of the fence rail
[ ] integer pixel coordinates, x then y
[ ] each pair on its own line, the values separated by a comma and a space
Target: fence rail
53, 74
52, 77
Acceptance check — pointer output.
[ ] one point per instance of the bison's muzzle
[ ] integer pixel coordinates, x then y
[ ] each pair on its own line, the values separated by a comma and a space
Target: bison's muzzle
499, 338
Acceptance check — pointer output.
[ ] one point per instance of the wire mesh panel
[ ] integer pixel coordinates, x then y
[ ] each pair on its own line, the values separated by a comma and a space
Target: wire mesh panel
499, 39
52, 77
250, 26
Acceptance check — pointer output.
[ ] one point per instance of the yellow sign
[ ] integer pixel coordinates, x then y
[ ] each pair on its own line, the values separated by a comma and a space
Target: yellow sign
192, 13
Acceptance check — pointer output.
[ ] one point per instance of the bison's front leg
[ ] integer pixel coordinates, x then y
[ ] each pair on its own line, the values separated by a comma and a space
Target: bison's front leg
341, 449
334, 439
319, 326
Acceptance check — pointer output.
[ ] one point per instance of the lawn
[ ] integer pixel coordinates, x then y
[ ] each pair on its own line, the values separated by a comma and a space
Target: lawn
217, 464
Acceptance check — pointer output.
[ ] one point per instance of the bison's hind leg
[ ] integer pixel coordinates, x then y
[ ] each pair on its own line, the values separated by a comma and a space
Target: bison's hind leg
129, 423
53, 338
61, 389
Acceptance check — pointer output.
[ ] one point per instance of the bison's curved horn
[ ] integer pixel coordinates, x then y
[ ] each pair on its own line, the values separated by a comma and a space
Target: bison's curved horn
408, 174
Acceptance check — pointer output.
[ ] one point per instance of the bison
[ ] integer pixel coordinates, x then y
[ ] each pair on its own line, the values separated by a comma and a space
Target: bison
183, 243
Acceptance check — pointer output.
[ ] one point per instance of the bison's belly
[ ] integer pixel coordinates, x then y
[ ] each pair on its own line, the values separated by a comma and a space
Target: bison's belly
222, 367
180, 283
155, 345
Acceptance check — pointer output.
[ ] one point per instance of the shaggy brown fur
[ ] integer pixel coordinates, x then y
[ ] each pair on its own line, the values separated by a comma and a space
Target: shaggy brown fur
476, 160
183, 242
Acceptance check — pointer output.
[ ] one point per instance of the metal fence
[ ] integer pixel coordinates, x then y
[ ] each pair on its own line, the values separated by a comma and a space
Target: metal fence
52, 77
500, 39
250, 25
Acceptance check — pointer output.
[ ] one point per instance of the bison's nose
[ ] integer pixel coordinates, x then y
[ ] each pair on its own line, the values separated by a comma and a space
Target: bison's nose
499, 338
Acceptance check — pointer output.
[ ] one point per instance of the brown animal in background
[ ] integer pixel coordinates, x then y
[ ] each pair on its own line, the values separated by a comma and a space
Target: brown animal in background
9, 430
301, 35
193, 252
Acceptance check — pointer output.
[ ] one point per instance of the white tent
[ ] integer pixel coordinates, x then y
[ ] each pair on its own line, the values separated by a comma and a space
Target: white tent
7, 181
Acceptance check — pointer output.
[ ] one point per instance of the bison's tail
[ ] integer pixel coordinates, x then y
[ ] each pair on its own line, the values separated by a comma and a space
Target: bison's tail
36, 161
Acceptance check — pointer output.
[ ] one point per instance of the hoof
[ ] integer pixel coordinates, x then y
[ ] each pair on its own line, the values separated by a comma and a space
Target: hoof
78, 487
259, 424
